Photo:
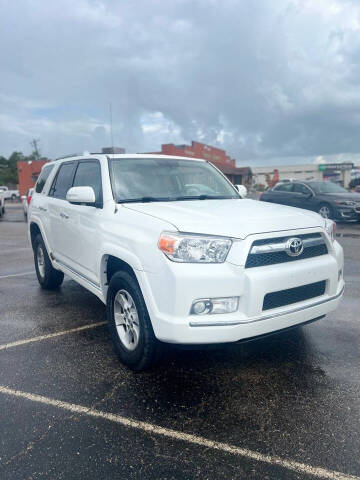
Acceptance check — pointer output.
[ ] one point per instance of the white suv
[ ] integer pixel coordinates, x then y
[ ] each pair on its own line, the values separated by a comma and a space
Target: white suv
176, 255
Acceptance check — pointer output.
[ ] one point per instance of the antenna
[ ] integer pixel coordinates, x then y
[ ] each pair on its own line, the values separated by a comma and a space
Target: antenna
111, 128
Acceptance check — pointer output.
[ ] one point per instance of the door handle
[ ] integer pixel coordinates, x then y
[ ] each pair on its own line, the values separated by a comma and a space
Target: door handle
63, 215
43, 209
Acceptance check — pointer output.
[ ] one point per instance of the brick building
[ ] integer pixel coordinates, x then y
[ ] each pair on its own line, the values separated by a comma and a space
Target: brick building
217, 156
28, 173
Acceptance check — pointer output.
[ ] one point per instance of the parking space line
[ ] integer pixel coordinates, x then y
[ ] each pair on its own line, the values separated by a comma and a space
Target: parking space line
17, 343
150, 428
16, 274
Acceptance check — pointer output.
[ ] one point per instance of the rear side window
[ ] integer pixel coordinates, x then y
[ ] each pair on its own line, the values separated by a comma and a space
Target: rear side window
88, 174
44, 175
285, 187
63, 181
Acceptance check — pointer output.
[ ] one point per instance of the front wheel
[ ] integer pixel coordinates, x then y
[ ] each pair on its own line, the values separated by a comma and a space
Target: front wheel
325, 210
129, 324
48, 277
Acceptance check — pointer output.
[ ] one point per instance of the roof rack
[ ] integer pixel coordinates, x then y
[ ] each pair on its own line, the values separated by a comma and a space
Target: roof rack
67, 156
79, 154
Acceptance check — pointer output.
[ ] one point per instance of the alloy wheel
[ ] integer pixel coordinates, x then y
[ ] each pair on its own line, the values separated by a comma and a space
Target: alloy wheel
324, 211
40, 258
126, 320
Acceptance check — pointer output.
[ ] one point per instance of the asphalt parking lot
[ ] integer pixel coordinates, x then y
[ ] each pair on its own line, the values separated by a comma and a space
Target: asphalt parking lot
281, 408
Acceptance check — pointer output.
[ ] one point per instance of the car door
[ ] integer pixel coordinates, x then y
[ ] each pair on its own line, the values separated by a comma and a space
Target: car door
282, 194
59, 213
85, 242
303, 197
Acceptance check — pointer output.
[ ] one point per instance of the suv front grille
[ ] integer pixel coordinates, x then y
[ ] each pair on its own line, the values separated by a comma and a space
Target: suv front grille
273, 250
293, 295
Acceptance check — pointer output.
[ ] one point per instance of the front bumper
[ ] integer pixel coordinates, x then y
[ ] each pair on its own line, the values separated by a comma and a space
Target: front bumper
345, 213
170, 293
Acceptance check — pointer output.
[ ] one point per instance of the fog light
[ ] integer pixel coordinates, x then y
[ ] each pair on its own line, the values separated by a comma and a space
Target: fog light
201, 307
214, 306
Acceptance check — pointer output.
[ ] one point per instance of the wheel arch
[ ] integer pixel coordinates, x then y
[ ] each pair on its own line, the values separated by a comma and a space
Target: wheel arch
111, 263
36, 228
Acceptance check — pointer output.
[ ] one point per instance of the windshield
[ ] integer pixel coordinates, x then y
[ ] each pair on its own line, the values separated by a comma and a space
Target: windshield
327, 187
164, 179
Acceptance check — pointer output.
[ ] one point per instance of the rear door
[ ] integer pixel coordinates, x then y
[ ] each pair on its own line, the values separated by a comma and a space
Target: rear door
36, 196
281, 194
60, 219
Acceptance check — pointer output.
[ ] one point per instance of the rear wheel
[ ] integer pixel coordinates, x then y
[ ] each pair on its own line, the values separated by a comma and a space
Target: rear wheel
325, 210
48, 277
129, 324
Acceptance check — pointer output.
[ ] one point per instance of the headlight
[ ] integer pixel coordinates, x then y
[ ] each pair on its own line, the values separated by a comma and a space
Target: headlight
187, 248
330, 227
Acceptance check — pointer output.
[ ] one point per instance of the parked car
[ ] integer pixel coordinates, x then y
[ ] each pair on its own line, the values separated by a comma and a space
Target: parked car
357, 189
174, 264
26, 199
2, 204
10, 194
328, 199
242, 190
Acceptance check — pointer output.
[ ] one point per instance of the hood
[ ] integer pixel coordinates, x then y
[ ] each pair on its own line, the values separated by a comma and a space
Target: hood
231, 218
355, 197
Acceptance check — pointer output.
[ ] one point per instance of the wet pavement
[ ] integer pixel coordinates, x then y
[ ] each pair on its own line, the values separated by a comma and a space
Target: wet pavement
295, 396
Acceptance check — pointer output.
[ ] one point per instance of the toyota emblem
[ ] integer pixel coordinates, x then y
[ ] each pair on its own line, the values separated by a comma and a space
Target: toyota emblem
294, 247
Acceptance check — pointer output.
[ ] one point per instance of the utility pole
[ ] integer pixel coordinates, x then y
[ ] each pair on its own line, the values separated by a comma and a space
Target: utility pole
111, 127
35, 146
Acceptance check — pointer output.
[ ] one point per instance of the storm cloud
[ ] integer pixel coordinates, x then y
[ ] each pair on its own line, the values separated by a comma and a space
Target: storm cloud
266, 79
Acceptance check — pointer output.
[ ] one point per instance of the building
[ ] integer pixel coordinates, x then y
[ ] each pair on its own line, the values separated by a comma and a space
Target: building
217, 156
335, 172
28, 173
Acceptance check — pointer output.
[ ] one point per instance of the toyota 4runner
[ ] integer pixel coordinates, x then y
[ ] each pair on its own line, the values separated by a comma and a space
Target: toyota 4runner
176, 255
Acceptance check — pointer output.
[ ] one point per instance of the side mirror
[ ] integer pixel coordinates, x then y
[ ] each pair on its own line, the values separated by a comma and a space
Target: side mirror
79, 195
242, 190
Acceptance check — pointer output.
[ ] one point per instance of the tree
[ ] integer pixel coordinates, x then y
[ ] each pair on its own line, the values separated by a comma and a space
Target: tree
8, 169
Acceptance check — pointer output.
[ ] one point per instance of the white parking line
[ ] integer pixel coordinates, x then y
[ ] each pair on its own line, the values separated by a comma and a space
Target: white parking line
183, 437
16, 274
17, 343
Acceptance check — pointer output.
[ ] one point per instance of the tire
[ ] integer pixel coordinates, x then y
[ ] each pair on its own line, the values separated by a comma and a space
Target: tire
13, 197
133, 339
48, 277
326, 210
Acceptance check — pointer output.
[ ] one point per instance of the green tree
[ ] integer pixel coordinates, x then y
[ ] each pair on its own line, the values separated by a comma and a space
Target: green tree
8, 169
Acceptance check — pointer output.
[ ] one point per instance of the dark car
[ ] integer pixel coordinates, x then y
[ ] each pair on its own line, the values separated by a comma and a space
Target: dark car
328, 199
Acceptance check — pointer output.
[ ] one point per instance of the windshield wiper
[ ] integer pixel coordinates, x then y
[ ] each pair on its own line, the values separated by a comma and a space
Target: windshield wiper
203, 197
144, 200
173, 199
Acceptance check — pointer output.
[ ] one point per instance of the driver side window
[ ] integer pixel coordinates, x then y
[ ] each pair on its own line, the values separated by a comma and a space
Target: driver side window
88, 174
300, 188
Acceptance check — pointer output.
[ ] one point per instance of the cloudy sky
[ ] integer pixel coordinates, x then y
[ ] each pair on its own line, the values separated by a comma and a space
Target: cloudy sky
263, 79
